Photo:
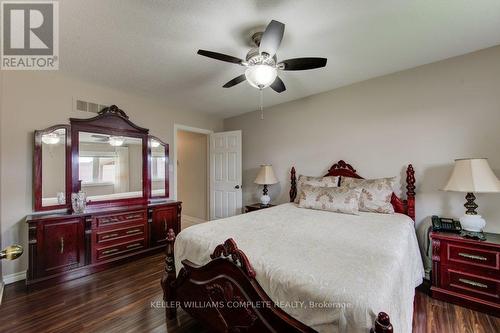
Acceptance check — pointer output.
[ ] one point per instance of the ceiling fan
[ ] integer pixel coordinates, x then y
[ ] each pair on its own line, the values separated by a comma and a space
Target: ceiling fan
262, 63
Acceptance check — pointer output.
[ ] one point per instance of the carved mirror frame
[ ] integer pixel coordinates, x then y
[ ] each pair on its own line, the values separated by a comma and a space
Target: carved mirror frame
150, 154
38, 168
110, 121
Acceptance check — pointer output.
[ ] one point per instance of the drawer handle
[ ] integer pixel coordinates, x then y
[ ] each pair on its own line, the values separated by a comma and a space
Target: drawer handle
133, 245
135, 231
472, 256
165, 224
61, 245
129, 217
109, 251
109, 236
473, 283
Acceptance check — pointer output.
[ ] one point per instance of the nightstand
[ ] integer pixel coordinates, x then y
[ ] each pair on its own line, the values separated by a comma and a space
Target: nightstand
257, 206
467, 271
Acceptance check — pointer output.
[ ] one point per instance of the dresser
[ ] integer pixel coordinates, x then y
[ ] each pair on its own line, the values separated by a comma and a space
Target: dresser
467, 271
101, 197
64, 246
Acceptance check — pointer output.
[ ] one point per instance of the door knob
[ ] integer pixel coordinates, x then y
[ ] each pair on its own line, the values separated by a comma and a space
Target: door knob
11, 252
237, 187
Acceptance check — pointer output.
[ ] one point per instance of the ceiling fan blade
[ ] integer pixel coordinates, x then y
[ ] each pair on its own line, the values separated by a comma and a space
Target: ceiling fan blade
278, 85
235, 81
220, 56
271, 39
300, 64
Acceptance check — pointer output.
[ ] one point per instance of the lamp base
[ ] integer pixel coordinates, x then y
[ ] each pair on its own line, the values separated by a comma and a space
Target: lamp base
473, 235
473, 223
265, 199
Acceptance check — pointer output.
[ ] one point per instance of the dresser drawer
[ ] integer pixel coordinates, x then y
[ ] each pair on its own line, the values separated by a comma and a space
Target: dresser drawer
116, 250
471, 257
118, 234
469, 284
127, 217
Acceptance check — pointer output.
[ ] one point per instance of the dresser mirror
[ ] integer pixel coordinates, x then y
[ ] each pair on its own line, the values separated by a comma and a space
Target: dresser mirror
108, 157
52, 184
110, 167
159, 167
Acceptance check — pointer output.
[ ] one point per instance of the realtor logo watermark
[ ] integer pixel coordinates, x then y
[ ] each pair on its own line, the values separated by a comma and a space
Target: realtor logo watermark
30, 35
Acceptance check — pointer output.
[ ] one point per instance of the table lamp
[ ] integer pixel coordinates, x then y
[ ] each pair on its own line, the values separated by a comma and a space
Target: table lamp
472, 175
265, 177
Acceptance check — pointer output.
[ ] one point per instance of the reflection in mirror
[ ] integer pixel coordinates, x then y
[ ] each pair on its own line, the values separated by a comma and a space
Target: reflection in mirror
158, 168
110, 167
54, 168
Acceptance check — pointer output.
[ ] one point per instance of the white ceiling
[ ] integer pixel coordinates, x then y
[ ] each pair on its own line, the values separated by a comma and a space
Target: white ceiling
150, 46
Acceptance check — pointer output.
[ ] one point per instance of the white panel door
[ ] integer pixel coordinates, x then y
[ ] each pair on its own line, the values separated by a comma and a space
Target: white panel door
225, 174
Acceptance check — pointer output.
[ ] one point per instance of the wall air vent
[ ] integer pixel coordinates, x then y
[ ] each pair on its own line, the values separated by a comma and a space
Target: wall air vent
81, 105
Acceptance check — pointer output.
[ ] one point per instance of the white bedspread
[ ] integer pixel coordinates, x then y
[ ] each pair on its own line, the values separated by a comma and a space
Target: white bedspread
350, 267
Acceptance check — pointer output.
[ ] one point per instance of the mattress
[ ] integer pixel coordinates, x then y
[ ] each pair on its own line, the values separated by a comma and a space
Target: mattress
331, 271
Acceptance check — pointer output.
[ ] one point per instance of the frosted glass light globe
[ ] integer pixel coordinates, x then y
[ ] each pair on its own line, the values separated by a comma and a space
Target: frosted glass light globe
155, 144
116, 141
51, 138
261, 76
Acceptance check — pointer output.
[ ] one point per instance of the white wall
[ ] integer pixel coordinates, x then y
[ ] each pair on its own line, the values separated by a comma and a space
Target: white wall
192, 163
428, 116
35, 100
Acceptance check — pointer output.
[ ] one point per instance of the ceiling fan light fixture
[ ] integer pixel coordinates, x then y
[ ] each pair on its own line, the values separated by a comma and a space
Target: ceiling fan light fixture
116, 141
51, 138
155, 144
261, 76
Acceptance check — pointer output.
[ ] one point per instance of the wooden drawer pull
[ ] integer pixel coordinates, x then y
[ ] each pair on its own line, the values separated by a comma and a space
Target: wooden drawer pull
133, 245
473, 283
134, 231
110, 251
472, 256
109, 236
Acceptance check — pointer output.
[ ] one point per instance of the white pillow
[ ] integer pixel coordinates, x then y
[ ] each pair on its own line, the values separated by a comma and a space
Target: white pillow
328, 181
334, 199
376, 194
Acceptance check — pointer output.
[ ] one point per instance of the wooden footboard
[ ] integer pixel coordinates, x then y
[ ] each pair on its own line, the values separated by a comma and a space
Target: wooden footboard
225, 296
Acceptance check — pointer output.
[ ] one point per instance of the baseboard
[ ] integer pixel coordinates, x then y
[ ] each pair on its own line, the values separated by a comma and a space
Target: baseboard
11, 278
190, 220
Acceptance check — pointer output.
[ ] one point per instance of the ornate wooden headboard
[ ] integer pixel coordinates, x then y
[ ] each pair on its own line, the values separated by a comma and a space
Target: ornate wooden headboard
343, 169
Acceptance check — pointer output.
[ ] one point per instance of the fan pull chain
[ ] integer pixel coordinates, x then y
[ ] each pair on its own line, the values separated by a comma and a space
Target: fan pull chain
261, 104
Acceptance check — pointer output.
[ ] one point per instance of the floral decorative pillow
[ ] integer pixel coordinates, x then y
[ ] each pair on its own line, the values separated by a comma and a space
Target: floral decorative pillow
328, 181
334, 199
376, 194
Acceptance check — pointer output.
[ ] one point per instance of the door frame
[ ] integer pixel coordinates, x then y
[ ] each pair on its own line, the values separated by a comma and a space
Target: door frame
180, 127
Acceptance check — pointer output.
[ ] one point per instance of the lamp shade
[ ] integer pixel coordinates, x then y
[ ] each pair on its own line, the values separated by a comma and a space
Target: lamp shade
472, 175
266, 175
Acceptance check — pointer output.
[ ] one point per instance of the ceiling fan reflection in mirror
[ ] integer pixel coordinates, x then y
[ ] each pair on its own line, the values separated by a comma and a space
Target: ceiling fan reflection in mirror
262, 63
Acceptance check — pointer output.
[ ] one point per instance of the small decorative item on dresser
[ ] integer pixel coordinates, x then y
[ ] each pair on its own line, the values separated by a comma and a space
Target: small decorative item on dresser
472, 175
265, 177
467, 271
79, 202
256, 206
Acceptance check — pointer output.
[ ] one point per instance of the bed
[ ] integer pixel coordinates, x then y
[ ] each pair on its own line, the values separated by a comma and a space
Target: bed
290, 269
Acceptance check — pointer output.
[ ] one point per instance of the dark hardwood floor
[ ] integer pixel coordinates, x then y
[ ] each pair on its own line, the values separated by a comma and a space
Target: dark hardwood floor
123, 299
